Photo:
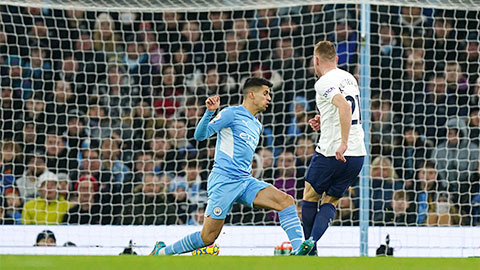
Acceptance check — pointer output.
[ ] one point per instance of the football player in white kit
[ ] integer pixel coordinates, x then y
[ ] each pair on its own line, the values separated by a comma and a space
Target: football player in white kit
339, 154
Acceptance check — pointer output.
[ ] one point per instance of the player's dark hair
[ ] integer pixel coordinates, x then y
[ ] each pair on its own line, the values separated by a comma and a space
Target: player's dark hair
255, 82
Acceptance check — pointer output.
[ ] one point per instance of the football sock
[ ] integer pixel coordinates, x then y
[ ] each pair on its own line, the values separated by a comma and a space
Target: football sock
188, 243
309, 211
291, 225
325, 215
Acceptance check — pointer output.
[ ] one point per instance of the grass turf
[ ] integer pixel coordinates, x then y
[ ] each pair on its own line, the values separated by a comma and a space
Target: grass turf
8, 262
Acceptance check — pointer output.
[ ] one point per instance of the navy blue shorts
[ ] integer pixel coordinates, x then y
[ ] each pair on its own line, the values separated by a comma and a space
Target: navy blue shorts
326, 174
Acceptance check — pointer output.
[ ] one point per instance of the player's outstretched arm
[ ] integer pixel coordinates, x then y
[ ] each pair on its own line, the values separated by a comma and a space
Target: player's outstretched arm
204, 130
345, 116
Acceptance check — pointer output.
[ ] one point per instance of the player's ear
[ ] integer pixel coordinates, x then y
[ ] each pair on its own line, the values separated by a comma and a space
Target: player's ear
336, 60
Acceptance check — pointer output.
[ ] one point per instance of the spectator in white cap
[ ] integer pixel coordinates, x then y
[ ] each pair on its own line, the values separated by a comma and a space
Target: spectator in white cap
48, 208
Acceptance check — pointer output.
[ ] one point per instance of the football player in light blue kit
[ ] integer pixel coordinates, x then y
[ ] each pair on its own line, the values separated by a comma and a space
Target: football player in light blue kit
230, 180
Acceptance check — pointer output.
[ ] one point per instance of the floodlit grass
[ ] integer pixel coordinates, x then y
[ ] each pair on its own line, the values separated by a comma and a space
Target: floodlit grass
10, 262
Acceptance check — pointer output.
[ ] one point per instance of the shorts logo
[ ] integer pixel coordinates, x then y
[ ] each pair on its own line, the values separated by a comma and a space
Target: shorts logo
217, 211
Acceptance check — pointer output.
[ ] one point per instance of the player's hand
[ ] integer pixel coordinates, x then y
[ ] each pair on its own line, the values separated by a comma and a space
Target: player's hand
315, 122
340, 151
213, 103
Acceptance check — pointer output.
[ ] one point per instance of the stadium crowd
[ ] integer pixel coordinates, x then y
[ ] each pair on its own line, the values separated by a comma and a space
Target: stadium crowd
98, 111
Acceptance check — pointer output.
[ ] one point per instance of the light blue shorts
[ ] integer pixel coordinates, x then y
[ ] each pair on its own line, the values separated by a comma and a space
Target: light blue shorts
223, 192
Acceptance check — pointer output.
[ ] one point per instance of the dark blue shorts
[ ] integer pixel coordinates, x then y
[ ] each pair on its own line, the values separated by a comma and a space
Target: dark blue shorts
326, 174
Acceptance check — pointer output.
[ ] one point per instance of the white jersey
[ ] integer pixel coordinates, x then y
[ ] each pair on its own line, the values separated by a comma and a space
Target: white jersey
334, 82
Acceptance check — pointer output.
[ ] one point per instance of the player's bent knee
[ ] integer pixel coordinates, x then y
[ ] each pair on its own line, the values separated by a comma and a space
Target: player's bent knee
286, 201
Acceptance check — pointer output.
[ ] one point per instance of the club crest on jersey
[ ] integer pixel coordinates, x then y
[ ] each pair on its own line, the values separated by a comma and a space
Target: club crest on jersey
216, 118
217, 211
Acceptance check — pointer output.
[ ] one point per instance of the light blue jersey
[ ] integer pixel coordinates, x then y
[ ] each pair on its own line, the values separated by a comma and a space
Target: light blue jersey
238, 135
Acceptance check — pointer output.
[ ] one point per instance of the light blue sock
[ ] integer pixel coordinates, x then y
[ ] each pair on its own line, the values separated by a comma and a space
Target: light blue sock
188, 243
291, 225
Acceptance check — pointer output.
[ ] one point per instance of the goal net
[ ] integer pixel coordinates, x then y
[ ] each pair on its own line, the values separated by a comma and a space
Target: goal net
100, 100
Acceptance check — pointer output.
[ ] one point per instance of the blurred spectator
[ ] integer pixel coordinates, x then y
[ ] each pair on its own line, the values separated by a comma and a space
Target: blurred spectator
9, 113
457, 89
288, 64
347, 214
472, 65
217, 85
197, 217
60, 104
193, 111
88, 210
75, 136
411, 23
285, 178
73, 71
48, 208
428, 192
144, 123
104, 37
264, 27
298, 123
457, 162
152, 47
168, 30
46, 238
412, 151
34, 111
474, 126
384, 181
28, 139
432, 112
149, 204
399, 212
386, 59
69, 23
64, 187
112, 163
94, 61
27, 184
443, 45
304, 150
136, 62
178, 198
191, 176
345, 38
57, 155
39, 70
11, 158
168, 95
267, 164
411, 89
12, 207
475, 94
233, 60
115, 92
382, 127
163, 156
183, 149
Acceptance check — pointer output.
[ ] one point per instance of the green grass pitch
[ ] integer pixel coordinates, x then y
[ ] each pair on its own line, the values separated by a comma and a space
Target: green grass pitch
17, 262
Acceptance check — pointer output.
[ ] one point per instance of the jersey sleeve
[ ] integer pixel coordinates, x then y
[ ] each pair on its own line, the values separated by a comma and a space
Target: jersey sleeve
327, 92
206, 129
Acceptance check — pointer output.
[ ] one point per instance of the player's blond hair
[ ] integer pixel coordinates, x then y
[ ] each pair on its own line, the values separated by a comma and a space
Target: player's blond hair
325, 50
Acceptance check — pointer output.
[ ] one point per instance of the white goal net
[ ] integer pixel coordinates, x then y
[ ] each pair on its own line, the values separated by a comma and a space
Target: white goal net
100, 99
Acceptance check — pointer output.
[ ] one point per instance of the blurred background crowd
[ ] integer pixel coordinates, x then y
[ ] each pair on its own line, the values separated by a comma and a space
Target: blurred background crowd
98, 111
